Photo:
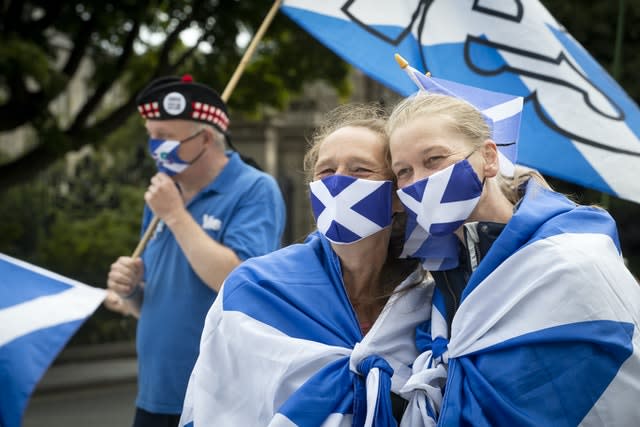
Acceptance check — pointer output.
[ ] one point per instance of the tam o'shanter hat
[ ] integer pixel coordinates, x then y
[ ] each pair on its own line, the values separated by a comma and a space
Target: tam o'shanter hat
171, 98
502, 112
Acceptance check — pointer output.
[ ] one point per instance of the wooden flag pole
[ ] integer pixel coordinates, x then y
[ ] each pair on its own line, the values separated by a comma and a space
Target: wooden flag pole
225, 97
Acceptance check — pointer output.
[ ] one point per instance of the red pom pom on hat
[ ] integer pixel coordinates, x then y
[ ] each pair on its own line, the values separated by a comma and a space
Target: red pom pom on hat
187, 78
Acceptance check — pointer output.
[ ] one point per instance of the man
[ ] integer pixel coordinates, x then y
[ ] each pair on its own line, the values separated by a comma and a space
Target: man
215, 211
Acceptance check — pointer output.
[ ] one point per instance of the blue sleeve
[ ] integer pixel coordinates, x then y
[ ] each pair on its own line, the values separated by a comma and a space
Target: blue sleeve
256, 226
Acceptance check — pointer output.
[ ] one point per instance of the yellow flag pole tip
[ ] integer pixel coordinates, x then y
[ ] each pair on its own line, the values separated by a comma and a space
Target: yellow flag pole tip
401, 61
428, 74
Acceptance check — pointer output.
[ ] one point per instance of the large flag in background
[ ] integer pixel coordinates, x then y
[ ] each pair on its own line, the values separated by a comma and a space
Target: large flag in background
39, 312
578, 123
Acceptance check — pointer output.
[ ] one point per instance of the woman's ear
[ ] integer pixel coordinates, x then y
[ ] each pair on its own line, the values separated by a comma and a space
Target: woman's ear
491, 159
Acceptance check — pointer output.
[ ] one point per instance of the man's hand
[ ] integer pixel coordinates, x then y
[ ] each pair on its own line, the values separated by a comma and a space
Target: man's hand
163, 197
114, 302
125, 275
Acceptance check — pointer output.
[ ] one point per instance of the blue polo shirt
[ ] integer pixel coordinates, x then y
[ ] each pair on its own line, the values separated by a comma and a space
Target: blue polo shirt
243, 209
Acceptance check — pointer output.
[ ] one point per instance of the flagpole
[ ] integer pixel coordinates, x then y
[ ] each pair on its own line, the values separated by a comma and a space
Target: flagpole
616, 69
225, 97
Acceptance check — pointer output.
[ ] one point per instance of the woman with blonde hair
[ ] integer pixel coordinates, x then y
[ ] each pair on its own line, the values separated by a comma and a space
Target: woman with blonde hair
535, 322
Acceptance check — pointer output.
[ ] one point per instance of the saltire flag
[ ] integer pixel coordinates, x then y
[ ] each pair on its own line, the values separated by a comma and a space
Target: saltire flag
282, 346
39, 312
578, 123
546, 332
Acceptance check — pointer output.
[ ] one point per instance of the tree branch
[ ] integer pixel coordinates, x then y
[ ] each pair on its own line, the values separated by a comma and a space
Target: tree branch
80, 43
116, 118
164, 66
22, 107
92, 103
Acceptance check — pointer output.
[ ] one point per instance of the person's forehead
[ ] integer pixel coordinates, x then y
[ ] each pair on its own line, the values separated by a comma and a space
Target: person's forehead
168, 127
353, 141
426, 132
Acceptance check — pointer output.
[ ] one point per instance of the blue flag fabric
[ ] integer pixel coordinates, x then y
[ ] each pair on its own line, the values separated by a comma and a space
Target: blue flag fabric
547, 331
282, 346
578, 124
39, 312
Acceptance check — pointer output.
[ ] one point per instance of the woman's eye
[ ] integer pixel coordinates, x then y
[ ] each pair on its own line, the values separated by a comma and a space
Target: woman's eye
402, 172
434, 161
361, 170
325, 172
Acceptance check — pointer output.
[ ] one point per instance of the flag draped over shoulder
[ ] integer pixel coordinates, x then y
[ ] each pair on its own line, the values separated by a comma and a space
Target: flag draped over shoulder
282, 346
547, 331
39, 311
578, 123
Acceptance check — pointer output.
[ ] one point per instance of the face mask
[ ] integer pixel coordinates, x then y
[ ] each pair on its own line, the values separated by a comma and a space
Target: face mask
435, 252
442, 202
165, 154
349, 209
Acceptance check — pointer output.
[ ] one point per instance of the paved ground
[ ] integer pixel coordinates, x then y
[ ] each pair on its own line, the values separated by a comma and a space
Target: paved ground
100, 406
92, 386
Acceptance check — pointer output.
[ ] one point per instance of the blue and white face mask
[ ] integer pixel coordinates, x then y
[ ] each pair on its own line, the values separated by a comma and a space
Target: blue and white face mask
348, 209
436, 207
165, 154
442, 202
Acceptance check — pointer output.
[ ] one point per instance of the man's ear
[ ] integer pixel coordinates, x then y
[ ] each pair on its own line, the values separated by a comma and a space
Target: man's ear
208, 136
491, 158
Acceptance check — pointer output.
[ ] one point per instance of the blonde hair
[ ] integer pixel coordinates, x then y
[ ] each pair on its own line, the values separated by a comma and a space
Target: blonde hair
368, 116
463, 118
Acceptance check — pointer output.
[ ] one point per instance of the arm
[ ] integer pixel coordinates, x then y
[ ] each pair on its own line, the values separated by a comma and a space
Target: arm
210, 260
255, 228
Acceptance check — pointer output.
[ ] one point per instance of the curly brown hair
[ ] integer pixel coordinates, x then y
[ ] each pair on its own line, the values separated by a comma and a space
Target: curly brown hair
369, 116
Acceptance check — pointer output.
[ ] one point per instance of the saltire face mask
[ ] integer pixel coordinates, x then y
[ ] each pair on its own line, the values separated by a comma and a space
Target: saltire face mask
348, 209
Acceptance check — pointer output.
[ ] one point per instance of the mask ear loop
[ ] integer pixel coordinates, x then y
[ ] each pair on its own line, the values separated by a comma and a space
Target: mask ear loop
195, 159
484, 178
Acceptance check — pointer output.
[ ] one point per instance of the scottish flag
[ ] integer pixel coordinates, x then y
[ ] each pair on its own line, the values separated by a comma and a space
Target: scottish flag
546, 333
348, 209
578, 123
501, 112
39, 311
282, 346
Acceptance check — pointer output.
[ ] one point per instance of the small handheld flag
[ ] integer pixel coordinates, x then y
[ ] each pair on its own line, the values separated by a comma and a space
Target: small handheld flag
39, 312
502, 112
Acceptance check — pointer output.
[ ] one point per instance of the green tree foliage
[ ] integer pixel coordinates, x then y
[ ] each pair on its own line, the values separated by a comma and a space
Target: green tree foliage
80, 215
43, 43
